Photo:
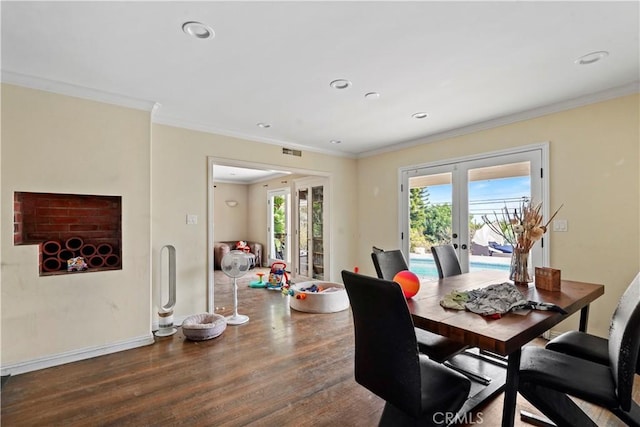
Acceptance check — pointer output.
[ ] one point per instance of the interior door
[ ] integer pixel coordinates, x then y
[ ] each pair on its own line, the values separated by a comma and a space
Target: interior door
445, 203
279, 241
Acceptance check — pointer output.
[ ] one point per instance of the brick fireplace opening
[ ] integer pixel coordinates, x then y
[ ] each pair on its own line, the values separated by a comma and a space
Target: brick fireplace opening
84, 228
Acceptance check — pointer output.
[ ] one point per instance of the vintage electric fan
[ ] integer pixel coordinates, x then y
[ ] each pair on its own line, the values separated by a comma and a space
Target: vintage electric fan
235, 264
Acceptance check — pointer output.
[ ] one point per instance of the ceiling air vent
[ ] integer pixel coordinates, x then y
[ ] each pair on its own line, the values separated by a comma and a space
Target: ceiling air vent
291, 152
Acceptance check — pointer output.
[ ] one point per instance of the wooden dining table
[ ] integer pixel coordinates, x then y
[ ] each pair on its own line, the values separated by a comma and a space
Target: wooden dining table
506, 335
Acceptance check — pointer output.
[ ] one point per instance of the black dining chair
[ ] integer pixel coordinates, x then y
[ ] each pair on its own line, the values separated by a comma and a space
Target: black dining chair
587, 346
417, 390
446, 261
388, 263
437, 347
547, 378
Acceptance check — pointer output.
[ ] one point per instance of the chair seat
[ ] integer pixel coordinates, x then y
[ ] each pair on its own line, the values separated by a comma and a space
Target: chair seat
550, 379
437, 347
583, 345
442, 388
577, 377
443, 392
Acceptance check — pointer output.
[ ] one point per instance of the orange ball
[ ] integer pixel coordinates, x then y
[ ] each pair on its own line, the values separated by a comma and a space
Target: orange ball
408, 281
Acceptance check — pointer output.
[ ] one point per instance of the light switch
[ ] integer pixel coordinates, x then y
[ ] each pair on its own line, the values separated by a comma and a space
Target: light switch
192, 219
560, 225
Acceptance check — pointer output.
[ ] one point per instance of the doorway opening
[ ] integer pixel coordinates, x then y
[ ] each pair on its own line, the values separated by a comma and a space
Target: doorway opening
252, 196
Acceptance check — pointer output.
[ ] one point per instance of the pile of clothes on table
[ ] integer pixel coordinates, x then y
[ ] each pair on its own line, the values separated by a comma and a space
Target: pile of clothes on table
494, 301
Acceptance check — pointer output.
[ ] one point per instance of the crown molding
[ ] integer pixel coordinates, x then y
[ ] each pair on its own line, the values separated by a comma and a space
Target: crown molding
76, 91
184, 124
68, 89
617, 92
83, 92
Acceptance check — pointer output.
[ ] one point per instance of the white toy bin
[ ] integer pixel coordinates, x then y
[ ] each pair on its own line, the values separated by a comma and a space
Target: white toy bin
332, 298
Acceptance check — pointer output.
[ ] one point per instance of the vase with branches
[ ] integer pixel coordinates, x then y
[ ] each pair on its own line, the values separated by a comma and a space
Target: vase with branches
521, 227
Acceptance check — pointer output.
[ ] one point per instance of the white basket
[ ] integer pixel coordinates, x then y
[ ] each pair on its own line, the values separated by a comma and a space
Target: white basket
332, 299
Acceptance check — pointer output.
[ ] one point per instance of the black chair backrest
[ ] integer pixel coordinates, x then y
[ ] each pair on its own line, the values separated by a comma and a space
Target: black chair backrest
624, 342
386, 351
388, 263
446, 261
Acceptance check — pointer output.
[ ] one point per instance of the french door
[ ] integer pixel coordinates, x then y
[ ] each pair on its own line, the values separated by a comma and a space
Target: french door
312, 229
279, 236
449, 203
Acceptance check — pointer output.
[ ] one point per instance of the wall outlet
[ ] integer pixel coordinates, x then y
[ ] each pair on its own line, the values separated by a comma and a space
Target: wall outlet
192, 219
560, 225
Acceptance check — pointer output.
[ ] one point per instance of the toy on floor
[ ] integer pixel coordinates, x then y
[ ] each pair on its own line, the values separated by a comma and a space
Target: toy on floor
278, 276
258, 283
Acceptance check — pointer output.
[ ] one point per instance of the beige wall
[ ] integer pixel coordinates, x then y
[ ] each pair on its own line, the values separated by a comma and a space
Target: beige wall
594, 156
233, 220
179, 158
594, 162
59, 144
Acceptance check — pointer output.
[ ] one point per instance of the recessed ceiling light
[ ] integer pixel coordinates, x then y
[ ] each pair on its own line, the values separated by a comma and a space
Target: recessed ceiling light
340, 84
420, 115
591, 58
372, 95
263, 125
198, 30
336, 141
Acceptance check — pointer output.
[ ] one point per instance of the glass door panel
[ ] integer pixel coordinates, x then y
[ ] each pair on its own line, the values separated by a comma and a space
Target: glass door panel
491, 189
317, 233
430, 218
279, 243
312, 216
303, 232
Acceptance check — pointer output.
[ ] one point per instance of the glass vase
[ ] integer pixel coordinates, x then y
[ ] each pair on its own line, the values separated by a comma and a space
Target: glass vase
519, 273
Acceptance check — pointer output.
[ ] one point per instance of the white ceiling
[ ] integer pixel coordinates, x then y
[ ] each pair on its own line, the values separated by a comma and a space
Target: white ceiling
244, 175
466, 64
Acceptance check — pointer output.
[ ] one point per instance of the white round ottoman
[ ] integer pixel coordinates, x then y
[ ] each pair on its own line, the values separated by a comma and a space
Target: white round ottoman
318, 297
200, 327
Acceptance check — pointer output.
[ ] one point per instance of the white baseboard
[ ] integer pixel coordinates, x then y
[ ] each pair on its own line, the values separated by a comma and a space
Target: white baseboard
74, 356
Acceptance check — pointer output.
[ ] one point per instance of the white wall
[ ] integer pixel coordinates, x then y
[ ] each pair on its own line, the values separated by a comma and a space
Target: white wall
59, 144
594, 162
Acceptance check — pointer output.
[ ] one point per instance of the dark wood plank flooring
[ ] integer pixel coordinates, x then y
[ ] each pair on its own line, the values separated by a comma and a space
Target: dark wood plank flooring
282, 368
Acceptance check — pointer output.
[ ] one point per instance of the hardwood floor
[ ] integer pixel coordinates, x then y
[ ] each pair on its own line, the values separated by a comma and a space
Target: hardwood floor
282, 368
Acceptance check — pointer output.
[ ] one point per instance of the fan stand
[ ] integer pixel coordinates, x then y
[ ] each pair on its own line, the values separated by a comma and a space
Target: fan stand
235, 264
236, 319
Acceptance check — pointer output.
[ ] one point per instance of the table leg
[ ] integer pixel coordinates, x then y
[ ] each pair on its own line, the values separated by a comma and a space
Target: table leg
584, 318
511, 389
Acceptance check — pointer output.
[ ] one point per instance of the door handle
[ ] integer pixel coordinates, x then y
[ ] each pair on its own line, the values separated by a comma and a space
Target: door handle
464, 246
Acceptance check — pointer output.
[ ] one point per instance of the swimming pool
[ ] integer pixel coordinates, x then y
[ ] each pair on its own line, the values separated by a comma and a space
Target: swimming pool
425, 267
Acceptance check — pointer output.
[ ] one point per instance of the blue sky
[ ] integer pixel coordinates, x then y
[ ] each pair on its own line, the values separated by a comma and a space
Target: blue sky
485, 196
